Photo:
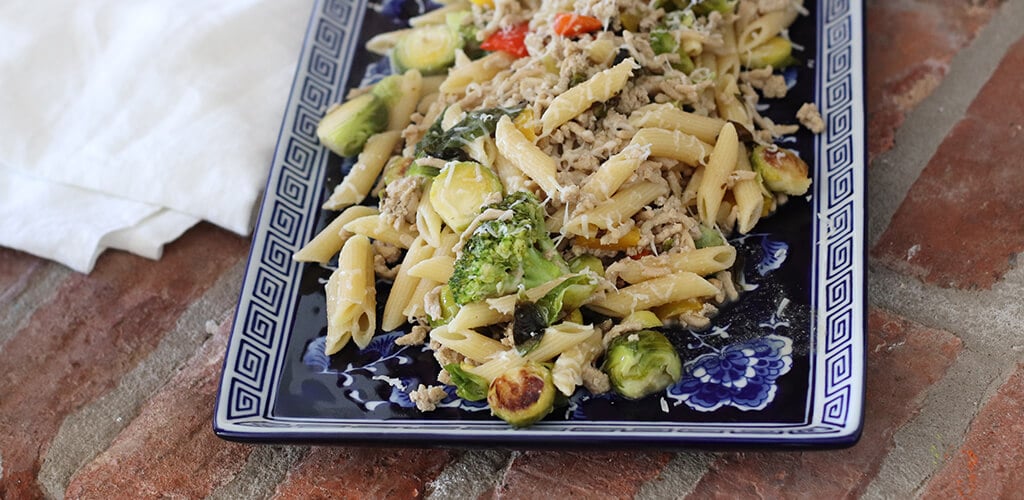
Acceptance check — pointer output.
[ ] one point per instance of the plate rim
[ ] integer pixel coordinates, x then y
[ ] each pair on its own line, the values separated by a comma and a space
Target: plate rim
244, 401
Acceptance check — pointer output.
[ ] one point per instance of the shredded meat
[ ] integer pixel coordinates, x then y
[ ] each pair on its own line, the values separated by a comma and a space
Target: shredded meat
416, 336
400, 200
596, 381
810, 117
427, 397
771, 85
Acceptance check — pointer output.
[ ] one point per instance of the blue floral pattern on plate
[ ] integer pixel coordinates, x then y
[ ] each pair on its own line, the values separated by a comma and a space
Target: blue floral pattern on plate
742, 375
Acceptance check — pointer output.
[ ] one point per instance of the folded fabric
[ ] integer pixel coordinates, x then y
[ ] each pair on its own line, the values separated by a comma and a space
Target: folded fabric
161, 113
73, 225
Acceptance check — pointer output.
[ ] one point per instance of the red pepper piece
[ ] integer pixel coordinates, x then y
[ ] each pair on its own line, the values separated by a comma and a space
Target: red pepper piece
567, 24
509, 39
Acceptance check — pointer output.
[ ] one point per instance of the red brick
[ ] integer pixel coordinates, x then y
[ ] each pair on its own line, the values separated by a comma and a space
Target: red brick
15, 270
988, 464
354, 473
169, 450
909, 46
904, 359
960, 224
94, 330
579, 474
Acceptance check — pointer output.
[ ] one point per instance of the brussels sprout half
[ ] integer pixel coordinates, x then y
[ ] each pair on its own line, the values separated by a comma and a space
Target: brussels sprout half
522, 395
641, 363
781, 169
460, 189
346, 127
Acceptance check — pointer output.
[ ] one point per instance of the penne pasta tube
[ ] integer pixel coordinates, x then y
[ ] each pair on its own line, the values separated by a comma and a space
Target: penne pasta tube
613, 172
598, 88
480, 70
713, 183
401, 112
747, 194
438, 268
476, 315
357, 184
527, 157
559, 338
329, 240
673, 144
351, 297
616, 210
653, 293
373, 226
467, 343
702, 262
404, 286
667, 116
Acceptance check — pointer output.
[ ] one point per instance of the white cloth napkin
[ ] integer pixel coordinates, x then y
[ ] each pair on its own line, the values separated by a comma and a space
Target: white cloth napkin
124, 123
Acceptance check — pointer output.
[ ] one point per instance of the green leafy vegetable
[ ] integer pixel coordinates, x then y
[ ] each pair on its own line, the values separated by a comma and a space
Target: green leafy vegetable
468, 386
449, 144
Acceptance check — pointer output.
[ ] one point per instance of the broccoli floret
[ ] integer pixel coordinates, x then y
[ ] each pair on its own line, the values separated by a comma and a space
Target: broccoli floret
507, 252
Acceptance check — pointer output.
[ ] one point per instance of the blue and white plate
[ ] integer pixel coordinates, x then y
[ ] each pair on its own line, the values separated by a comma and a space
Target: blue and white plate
784, 366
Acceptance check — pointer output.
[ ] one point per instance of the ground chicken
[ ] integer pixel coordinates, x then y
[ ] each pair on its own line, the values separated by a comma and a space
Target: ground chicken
596, 381
771, 85
416, 336
810, 117
427, 397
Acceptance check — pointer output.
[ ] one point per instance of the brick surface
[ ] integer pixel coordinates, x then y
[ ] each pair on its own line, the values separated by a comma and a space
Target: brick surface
988, 464
579, 474
909, 46
169, 450
353, 473
904, 359
94, 330
15, 270
960, 224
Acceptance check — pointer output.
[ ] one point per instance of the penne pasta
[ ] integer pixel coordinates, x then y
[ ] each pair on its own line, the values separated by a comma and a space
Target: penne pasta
712, 184
404, 286
438, 268
616, 210
616, 170
351, 297
401, 112
373, 226
652, 293
329, 240
356, 185
667, 116
673, 144
527, 157
468, 343
598, 88
701, 261
747, 194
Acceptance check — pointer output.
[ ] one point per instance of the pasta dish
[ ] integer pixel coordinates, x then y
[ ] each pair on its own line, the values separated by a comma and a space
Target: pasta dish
547, 183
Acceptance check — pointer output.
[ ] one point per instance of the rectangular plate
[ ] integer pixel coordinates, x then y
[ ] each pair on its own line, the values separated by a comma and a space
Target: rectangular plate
803, 322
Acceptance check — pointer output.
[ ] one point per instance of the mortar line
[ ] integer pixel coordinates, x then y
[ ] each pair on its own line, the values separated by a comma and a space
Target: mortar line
89, 430
927, 125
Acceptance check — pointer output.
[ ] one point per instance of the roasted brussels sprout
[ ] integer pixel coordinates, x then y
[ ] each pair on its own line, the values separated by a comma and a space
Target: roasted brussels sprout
460, 189
641, 363
346, 127
781, 169
429, 49
522, 395
777, 52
